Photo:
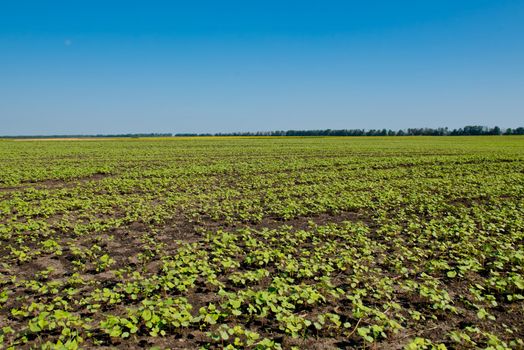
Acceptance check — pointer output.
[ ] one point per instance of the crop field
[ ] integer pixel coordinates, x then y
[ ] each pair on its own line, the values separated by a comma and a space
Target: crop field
263, 243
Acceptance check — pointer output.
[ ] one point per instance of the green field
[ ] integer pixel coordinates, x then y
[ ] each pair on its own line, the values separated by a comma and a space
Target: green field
263, 243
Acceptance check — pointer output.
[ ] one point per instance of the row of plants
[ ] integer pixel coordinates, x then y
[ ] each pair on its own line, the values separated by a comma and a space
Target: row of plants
262, 243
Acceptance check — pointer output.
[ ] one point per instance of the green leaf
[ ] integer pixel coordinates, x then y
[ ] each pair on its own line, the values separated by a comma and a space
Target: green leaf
224, 335
34, 327
146, 314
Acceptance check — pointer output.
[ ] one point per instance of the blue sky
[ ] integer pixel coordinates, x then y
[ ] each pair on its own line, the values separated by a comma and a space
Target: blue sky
81, 67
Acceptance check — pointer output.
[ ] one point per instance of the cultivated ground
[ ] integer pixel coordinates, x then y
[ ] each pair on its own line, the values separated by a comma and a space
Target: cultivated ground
263, 243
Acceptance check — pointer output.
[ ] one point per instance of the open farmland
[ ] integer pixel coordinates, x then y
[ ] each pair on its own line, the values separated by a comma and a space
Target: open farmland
263, 243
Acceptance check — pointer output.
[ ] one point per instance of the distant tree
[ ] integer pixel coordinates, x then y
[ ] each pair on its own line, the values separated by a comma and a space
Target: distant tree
495, 131
474, 130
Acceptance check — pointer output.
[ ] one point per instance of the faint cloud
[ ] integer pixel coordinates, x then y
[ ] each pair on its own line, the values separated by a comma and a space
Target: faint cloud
68, 42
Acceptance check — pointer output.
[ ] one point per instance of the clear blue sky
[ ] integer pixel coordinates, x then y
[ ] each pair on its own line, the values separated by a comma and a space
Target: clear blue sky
70, 67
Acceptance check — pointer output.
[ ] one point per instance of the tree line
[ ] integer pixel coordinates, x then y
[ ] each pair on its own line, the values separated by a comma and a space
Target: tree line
465, 131
470, 130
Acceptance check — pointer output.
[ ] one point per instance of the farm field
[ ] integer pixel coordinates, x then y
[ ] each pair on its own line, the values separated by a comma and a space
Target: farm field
263, 243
